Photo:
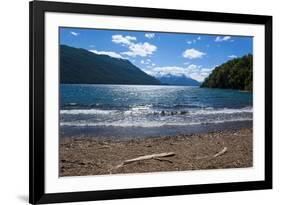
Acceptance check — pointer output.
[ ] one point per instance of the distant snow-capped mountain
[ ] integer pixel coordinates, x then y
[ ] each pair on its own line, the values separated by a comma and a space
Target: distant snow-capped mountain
177, 80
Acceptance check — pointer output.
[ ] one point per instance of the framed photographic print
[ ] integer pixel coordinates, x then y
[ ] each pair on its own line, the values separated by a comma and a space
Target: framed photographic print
140, 102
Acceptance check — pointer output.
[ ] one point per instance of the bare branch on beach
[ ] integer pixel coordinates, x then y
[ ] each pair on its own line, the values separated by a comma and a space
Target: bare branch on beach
221, 152
146, 157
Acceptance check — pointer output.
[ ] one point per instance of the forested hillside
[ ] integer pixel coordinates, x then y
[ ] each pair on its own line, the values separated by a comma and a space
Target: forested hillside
79, 66
234, 74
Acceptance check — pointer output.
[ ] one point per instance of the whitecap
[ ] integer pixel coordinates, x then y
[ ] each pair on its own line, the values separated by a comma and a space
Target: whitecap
87, 112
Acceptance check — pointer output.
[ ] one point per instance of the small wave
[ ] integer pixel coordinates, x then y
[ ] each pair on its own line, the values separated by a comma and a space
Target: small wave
203, 111
148, 110
142, 108
210, 111
71, 104
138, 110
87, 112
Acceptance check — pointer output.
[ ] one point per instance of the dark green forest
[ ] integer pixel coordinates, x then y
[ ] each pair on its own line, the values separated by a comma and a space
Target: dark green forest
79, 66
234, 74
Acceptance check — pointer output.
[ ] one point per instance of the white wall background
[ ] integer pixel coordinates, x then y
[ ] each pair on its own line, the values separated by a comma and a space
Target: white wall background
14, 100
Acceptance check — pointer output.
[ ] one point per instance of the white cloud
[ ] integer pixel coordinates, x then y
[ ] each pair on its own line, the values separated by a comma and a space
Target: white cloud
147, 62
192, 53
108, 53
193, 40
224, 38
135, 49
232, 56
140, 49
149, 35
192, 71
198, 73
74, 33
125, 40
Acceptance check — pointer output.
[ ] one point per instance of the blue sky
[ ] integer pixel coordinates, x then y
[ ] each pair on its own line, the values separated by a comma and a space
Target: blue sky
157, 53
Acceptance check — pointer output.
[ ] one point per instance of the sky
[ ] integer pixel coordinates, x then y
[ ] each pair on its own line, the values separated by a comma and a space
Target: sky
161, 53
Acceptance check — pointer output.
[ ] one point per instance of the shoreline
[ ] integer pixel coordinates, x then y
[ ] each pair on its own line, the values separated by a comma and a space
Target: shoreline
132, 132
80, 156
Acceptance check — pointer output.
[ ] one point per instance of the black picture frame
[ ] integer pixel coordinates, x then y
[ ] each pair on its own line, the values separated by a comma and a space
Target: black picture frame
37, 194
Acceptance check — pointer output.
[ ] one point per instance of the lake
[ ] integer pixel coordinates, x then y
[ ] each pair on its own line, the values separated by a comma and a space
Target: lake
143, 110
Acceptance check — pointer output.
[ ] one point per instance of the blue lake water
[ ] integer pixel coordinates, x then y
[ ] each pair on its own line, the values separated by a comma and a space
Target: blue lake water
141, 110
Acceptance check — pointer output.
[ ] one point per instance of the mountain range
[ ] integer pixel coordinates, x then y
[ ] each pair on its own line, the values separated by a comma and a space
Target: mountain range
170, 79
80, 66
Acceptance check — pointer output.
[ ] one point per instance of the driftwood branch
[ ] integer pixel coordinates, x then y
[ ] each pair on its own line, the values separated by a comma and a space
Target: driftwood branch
221, 152
104, 147
146, 157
